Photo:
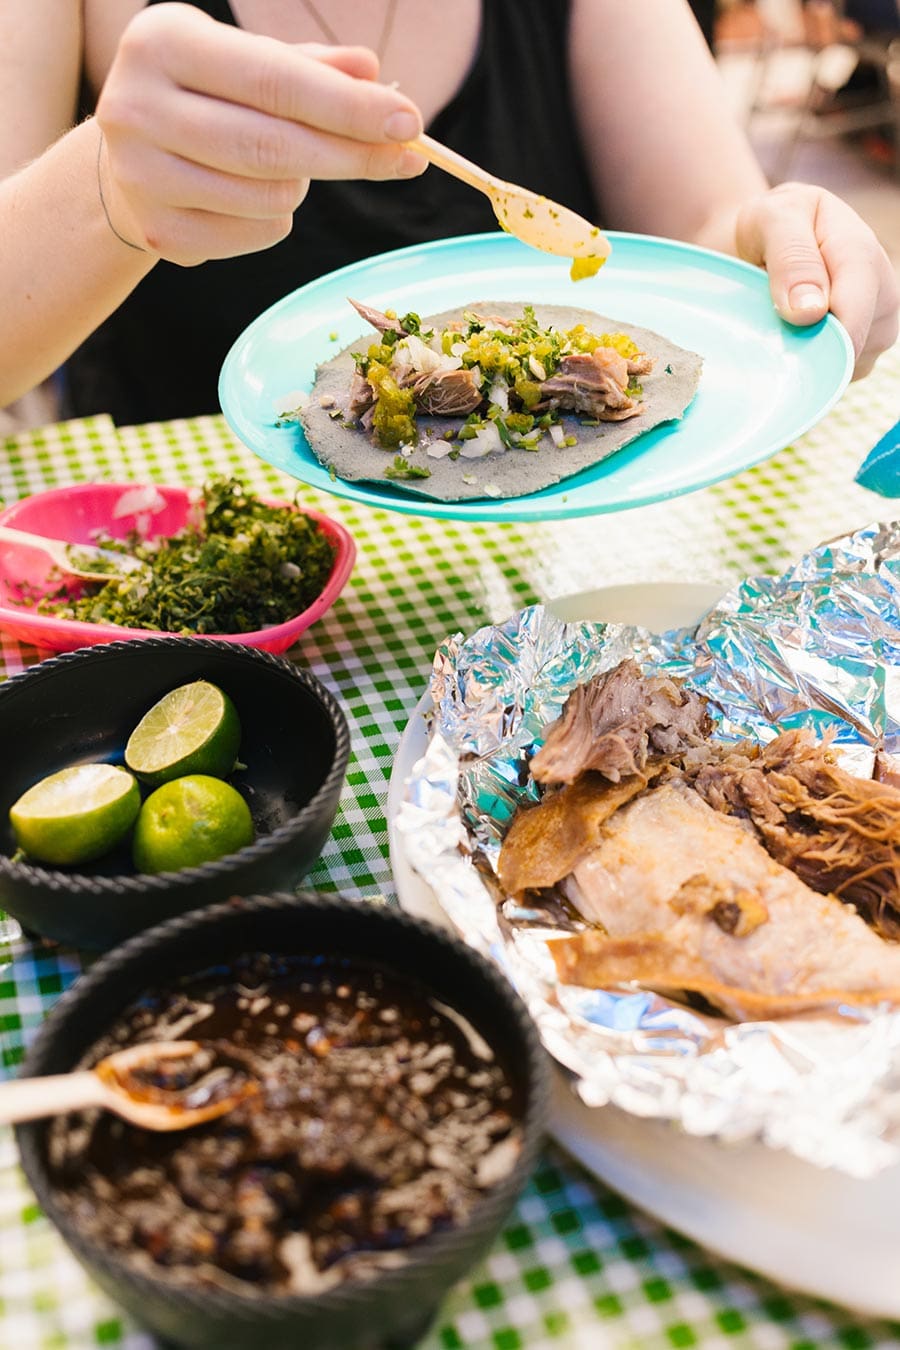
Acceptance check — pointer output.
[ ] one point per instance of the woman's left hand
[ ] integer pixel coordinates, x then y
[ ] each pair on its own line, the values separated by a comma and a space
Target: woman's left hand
820, 255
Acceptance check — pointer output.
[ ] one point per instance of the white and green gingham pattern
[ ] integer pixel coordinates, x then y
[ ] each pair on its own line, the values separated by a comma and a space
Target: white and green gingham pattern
576, 1267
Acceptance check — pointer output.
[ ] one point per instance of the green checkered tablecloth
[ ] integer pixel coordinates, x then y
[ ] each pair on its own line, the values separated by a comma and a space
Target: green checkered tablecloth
576, 1265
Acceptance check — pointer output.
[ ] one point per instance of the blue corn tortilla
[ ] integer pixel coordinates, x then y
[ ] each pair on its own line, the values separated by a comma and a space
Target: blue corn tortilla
349, 452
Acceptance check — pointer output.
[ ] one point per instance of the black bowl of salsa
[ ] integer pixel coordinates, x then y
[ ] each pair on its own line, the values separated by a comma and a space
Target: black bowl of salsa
402, 1098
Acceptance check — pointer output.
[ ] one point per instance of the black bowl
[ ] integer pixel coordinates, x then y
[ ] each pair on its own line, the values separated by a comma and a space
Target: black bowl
392, 1307
81, 707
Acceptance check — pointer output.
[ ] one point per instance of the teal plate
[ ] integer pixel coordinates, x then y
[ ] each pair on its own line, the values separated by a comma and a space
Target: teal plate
763, 382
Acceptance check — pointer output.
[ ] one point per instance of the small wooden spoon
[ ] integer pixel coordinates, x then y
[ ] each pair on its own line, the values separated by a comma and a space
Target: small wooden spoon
67, 556
111, 1086
529, 216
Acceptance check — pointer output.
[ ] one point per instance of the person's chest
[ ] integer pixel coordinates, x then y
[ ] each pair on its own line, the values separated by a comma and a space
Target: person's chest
426, 46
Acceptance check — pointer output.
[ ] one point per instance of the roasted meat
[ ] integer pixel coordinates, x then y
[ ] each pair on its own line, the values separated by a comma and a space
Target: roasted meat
362, 395
686, 899
839, 833
382, 322
702, 868
616, 722
446, 393
545, 842
593, 385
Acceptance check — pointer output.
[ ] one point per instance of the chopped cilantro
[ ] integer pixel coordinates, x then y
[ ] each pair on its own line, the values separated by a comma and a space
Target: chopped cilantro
401, 468
242, 566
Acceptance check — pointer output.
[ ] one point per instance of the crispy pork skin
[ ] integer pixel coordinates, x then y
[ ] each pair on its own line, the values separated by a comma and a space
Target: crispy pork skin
687, 899
544, 842
887, 768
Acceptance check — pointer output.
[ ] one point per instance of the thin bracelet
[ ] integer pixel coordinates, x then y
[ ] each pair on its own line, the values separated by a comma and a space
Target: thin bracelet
120, 237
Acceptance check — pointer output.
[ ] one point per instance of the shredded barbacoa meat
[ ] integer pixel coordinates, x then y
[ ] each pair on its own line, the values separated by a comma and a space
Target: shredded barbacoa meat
839, 833
616, 722
675, 850
593, 385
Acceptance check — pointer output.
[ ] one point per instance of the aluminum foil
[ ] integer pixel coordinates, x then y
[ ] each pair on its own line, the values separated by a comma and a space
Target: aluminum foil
818, 646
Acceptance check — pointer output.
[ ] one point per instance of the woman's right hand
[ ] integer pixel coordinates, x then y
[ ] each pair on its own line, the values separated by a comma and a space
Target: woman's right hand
211, 134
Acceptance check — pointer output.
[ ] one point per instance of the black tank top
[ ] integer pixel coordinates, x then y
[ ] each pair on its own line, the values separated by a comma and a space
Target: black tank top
158, 356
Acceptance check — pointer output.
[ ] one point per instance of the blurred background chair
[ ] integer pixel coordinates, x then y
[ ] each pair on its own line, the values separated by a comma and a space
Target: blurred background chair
844, 60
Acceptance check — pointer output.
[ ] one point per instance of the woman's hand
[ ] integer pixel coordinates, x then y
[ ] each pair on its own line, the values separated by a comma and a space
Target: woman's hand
821, 255
211, 134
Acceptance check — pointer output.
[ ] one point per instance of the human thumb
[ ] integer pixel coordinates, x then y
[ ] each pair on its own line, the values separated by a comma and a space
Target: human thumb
780, 235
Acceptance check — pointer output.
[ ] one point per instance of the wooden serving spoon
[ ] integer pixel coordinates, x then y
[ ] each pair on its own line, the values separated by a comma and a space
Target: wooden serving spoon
67, 556
530, 217
111, 1085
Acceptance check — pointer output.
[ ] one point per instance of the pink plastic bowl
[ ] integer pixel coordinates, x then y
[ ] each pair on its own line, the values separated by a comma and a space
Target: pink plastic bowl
76, 513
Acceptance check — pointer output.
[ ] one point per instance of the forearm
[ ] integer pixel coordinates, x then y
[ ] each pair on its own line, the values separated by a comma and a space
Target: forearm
665, 153
62, 269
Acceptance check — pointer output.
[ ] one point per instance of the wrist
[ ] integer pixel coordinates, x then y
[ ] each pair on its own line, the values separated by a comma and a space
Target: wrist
104, 196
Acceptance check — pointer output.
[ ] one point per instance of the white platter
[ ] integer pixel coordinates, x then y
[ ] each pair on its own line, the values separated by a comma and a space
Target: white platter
818, 1231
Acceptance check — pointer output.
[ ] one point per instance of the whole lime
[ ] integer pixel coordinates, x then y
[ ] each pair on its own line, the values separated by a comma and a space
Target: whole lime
192, 729
189, 821
76, 814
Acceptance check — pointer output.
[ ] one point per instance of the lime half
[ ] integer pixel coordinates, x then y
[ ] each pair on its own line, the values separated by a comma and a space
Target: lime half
76, 814
189, 821
193, 729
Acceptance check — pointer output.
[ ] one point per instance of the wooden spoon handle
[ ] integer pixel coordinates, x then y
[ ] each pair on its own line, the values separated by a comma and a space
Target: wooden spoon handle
451, 162
14, 536
30, 1098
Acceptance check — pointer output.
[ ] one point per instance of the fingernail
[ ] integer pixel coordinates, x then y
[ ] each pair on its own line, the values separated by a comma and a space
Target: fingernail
806, 296
410, 164
401, 126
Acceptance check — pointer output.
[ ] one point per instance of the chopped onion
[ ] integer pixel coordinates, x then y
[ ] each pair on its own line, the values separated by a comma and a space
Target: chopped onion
138, 501
438, 449
557, 435
500, 395
486, 441
412, 351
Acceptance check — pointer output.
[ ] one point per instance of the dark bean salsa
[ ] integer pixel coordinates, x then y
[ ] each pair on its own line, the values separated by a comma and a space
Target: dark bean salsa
381, 1116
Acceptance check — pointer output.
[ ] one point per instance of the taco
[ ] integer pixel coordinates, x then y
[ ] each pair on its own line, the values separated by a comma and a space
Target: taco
495, 400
